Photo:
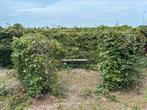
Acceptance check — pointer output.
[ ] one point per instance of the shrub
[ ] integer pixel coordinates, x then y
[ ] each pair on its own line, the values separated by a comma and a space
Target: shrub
77, 42
33, 60
5, 49
119, 55
76, 45
6, 37
143, 30
5, 57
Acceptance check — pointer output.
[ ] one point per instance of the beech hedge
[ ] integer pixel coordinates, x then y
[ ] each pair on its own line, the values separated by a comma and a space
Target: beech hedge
6, 37
119, 55
33, 61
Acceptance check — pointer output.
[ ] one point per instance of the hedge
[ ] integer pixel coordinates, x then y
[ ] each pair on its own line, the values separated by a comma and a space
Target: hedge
115, 50
76, 42
81, 42
6, 37
119, 55
33, 61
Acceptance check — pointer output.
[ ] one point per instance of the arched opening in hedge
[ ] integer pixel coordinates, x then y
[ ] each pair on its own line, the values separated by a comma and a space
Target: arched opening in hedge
115, 53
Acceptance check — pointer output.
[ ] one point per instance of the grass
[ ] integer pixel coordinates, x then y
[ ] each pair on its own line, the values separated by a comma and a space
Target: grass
11, 94
79, 94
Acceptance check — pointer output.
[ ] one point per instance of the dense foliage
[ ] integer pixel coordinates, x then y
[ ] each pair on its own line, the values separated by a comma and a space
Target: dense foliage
119, 54
5, 49
143, 30
75, 42
38, 51
32, 57
6, 36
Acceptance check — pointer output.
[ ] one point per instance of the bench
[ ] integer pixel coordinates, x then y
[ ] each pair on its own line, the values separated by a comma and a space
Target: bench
74, 61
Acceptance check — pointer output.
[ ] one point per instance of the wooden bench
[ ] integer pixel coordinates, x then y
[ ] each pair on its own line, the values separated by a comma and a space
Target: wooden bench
74, 61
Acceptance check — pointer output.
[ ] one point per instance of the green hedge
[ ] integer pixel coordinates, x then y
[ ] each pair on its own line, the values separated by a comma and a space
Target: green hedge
33, 56
5, 48
81, 42
119, 55
6, 37
5, 59
75, 42
116, 50
143, 30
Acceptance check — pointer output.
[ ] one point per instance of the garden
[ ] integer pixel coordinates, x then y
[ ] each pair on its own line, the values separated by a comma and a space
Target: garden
33, 75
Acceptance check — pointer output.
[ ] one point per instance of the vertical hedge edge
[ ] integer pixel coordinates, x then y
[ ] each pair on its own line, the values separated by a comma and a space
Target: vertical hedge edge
119, 55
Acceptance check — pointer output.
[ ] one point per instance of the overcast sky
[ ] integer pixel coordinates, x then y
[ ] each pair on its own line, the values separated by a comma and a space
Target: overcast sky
73, 12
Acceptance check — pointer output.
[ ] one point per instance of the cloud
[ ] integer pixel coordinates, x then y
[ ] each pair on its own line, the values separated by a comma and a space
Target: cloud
74, 12
78, 5
74, 6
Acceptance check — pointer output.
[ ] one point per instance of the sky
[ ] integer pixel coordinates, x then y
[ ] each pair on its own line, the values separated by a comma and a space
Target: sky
70, 13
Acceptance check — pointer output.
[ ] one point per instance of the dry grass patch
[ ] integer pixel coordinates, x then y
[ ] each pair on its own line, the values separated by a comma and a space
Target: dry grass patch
80, 86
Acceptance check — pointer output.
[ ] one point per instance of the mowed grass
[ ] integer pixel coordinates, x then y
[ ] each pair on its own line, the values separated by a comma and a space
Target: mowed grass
79, 94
